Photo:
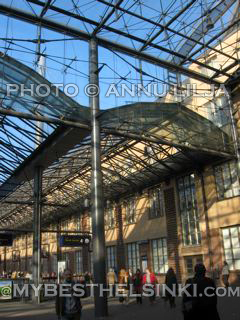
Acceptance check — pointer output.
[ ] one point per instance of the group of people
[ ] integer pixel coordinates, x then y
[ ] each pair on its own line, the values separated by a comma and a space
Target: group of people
16, 275
195, 304
126, 279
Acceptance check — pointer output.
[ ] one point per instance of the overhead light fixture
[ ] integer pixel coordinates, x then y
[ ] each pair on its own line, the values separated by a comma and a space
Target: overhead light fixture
86, 203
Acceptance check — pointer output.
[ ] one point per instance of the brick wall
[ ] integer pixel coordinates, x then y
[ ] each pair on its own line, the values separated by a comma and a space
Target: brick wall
172, 232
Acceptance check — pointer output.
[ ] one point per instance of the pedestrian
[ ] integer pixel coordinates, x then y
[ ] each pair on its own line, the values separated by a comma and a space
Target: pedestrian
201, 300
225, 274
137, 283
69, 306
111, 281
149, 279
123, 286
172, 285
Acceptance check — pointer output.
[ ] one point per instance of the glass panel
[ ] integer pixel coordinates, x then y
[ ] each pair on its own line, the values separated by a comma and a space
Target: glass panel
227, 243
230, 264
236, 253
234, 231
226, 180
188, 211
237, 264
235, 242
225, 233
228, 254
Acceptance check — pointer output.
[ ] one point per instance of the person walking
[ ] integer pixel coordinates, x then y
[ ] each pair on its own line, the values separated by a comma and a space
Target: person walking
149, 278
201, 301
123, 286
137, 283
172, 284
68, 307
225, 274
111, 281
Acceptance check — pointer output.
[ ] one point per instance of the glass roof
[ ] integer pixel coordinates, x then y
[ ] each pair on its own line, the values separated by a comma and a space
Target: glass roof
19, 136
139, 41
168, 123
143, 141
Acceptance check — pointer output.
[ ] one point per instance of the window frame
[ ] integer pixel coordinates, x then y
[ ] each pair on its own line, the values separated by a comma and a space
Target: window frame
223, 196
159, 209
111, 254
133, 257
163, 257
109, 215
232, 246
189, 215
130, 205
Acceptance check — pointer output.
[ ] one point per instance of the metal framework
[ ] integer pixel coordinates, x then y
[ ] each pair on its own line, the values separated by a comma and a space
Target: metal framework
172, 133
141, 143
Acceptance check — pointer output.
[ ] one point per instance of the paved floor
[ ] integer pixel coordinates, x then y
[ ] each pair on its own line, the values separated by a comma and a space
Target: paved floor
229, 309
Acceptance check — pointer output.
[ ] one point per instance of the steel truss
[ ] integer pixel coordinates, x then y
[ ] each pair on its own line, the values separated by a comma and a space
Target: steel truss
134, 156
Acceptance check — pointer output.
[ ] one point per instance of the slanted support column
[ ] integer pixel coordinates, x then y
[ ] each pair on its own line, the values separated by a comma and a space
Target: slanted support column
37, 213
97, 187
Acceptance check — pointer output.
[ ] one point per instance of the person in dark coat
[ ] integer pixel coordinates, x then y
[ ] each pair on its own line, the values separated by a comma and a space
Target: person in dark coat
171, 282
68, 307
137, 283
203, 300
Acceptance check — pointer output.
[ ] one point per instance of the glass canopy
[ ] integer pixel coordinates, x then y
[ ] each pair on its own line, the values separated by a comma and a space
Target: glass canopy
142, 143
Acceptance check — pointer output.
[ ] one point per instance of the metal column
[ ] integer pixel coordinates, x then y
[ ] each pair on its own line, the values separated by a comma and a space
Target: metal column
37, 213
101, 309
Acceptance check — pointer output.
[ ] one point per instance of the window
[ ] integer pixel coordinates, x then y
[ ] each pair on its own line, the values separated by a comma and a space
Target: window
188, 211
190, 263
133, 256
227, 181
111, 257
156, 208
65, 257
64, 225
79, 261
130, 211
78, 223
231, 244
160, 256
109, 217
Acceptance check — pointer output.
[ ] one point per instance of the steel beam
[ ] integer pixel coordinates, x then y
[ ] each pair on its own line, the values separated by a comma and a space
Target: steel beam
43, 231
37, 215
167, 24
215, 37
201, 29
31, 203
101, 308
30, 116
102, 23
157, 24
49, 24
